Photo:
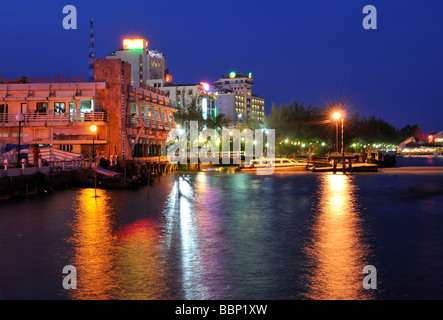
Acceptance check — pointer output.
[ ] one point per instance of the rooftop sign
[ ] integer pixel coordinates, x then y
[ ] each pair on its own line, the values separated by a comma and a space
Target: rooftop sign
134, 44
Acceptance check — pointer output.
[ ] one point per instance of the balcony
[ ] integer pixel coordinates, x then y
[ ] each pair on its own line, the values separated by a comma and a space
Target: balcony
38, 119
144, 120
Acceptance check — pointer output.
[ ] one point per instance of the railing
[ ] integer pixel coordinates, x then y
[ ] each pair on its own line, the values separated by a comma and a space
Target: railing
149, 121
49, 166
39, 117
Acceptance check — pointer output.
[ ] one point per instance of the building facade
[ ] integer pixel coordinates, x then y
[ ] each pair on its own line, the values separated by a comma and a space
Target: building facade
182, 96
250, 105
148, 67
132, 123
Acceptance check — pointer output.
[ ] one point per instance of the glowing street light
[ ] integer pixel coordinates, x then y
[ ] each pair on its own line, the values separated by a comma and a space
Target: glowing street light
337, 116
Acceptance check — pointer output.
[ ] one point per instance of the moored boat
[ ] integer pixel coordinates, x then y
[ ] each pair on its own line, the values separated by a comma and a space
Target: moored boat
382, 158
278, 164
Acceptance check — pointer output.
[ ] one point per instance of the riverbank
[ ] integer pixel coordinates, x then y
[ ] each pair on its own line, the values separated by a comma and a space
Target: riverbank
36, 184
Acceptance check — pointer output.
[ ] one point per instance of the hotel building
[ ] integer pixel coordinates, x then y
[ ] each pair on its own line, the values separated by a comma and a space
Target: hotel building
148, 67
238, 84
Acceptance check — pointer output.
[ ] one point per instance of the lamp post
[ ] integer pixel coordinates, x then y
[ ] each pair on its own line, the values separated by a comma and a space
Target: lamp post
238, 127
93, 129
19, 117
342, 144
336, 116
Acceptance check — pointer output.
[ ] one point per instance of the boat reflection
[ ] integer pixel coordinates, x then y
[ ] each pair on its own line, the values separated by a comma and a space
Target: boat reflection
338, 251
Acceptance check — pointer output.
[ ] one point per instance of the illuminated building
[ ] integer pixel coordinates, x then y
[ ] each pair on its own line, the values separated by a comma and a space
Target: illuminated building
230, 103
131, 122
251, 105
182, 96
438, 138
148, 67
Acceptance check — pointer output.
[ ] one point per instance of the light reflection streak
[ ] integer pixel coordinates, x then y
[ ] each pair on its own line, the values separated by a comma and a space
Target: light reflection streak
140, 262
181, 215
338, 253
94, 246
192, 227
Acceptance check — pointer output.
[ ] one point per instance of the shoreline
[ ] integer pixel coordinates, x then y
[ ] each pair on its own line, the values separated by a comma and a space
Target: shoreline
39, 185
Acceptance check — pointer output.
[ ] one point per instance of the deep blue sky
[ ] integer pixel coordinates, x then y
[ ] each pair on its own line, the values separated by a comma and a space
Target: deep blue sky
314, 50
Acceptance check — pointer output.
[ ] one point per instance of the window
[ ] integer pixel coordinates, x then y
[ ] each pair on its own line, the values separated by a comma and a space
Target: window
4, 109
59, 107
190, 92
42, 106
86, 106
286, 161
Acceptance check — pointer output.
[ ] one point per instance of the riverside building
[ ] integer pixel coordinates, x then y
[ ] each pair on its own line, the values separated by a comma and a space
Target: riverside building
132, 122
148, 67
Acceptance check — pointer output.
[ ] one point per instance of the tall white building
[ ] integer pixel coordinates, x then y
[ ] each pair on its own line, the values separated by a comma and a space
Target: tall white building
148, 67
230, 103
250, 105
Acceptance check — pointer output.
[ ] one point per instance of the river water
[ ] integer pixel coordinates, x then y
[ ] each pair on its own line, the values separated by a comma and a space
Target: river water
231, 236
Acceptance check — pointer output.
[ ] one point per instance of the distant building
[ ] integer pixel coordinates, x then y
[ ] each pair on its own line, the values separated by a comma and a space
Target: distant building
148, 67
133, 123
182, 96
438, 138
251, 105
230, 103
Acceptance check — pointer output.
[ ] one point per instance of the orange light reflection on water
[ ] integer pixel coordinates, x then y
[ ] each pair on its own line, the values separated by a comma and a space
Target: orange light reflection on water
142, 273
337, 252
93, 244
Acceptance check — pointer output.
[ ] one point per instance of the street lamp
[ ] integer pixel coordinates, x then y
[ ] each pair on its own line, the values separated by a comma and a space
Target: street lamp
336, 116
93, 129
238, 126
342, 145
19, 117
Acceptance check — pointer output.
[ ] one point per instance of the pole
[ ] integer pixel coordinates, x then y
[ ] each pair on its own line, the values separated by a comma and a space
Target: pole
336, 137
342, 146
239, 140
18, 156
149, 177
95, 169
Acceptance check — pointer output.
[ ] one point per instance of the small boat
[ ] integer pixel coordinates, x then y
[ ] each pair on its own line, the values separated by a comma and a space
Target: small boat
383, 158
278, 164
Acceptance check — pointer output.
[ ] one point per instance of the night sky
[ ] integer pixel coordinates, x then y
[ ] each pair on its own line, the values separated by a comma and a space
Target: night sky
314, 50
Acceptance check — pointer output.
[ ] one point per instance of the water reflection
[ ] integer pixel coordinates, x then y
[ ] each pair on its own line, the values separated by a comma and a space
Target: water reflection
338, 251
190, 229
140, 262
94, 245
